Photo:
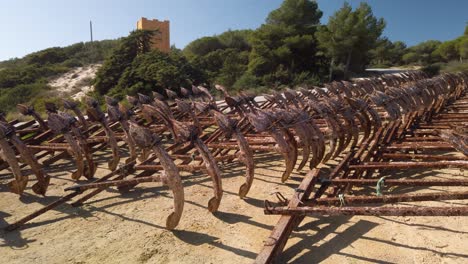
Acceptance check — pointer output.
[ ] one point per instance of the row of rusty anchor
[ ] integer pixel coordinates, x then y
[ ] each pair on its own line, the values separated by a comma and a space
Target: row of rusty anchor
65, 124
180, 133
80, 116
59, 123
169, 176
28, 154
230, 128
185, 111
95, 114
298, 112
13, 145
401, 121
264, 120
62, 123
19, 184
204, 109
214, 203
50, 143
189, 133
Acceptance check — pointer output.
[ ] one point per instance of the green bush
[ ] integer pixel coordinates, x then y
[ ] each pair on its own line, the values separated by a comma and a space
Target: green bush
247, 81
121, 58
155, 71
72, 63
455, 66
38, 102
306, 78
23, 93
432, 69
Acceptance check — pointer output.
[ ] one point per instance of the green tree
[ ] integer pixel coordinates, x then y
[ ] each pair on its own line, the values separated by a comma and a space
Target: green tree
223, 58
349, 36
398, 50
107, 77
463, 47
382, 53
300, 15
50, 55
155, 71
410, 57
203, 46
234, 66
425, 53
448, 50
285, 46
236, 39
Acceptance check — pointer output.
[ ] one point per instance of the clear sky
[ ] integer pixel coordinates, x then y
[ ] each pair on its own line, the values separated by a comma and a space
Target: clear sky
31, 25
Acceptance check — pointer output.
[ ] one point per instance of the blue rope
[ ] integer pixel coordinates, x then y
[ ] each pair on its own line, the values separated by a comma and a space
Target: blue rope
380, 184
342, 199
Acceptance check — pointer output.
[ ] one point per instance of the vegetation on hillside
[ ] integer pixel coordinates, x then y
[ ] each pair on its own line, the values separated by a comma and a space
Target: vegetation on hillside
290, 48
25, 79
134, 68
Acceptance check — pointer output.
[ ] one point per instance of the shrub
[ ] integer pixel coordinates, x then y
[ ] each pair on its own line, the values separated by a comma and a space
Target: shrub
72, 63
455, 66
246, 81
23, 93
432, 69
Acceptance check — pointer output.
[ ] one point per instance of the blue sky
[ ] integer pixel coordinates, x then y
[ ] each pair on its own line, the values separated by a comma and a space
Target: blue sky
31, 25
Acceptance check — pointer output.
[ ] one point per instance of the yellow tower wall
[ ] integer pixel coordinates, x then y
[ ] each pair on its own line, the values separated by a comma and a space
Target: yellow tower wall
160, 41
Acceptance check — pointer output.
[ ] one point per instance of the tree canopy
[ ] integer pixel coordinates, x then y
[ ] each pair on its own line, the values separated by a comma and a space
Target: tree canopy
424, 53
155, 71
349, 36
107, 77
221, 59
285, 47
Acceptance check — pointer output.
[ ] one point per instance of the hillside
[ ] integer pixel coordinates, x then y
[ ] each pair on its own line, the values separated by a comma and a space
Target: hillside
35, 77
75, 83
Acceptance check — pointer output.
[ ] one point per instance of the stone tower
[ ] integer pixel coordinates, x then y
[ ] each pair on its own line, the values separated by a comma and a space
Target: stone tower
160, 41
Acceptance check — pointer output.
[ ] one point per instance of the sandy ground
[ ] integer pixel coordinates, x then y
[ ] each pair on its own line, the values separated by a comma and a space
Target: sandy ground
75, 83
129, 228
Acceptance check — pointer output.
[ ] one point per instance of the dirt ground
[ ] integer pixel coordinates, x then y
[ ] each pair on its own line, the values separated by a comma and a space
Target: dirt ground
129, 228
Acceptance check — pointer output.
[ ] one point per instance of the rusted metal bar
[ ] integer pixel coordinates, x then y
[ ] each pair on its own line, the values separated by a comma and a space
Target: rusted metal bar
419, 139
97, 185
198, 158
410, 165
396, 198
41, 211
121, 171
426, 157
235, 147
118, 174
435, 127
370, 211
421, 144
189, 168
276, 242
23, 125
63, 147
407, 182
